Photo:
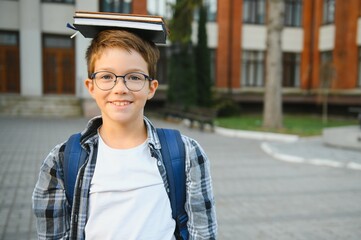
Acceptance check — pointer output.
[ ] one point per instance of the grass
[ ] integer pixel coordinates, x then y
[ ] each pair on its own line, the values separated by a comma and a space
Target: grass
302, 125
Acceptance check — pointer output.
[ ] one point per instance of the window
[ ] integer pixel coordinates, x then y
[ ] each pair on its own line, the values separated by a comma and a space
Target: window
59, 1
118, 6
252, 68
161, 8
9, 62
211, 6
58, 65
8, 39
291, 70
327, 70
57, 42
293, 13
328, 11
326, 56
211, 10
254, 11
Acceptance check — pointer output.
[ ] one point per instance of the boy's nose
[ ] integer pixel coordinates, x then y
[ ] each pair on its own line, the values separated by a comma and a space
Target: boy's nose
120, 85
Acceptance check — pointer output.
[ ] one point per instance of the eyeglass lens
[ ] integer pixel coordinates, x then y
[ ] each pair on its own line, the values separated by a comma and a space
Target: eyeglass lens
107, 80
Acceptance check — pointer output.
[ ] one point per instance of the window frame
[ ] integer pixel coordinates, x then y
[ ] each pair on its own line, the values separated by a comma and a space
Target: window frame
162, 8
58, 64
72, 2
211, 16
253, 68
291, 64
112, 6
10, 71
252, 12
327, 72
326, 56
293, 13
328, 17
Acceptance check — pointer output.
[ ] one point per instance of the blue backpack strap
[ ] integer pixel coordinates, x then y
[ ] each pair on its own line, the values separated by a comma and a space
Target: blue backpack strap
74, 157
173, 153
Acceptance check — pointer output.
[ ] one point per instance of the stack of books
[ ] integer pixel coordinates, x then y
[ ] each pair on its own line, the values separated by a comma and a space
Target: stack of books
148, 27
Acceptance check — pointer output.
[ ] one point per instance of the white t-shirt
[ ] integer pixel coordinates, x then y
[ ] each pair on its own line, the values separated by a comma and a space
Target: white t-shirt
127, 197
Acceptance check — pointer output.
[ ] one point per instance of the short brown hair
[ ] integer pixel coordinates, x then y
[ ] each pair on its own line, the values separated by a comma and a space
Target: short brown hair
125, 40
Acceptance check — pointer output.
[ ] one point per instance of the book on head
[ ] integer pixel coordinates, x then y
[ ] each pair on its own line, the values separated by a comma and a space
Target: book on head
151, 28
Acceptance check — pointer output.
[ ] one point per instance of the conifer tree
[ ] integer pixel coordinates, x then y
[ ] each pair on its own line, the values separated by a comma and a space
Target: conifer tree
203, 62
182, 75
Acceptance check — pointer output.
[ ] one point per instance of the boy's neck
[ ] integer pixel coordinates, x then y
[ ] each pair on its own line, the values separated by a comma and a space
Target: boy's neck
123, 136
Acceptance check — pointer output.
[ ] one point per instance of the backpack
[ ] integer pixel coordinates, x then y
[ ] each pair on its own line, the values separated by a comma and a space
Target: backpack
173, 154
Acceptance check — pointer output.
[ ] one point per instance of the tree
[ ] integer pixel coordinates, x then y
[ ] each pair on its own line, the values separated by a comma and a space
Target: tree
182, 76
203, 62
272, 111
182, 80
327, 75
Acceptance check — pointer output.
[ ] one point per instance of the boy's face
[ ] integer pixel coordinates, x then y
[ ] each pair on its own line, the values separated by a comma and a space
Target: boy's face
119, 104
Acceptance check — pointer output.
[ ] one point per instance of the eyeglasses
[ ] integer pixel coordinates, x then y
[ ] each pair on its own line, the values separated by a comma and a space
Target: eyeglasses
133, 81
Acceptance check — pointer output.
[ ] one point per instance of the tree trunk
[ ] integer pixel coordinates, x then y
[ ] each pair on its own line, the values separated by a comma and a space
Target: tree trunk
272, 111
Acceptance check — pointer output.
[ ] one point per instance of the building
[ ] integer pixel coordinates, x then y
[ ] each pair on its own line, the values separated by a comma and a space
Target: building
321, 49
42, 69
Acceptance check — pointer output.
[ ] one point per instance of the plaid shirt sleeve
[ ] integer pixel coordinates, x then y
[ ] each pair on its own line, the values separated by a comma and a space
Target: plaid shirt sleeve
49, 200
200, 204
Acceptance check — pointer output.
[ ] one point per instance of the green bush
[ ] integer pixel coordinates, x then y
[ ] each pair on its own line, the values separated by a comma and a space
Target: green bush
227, 108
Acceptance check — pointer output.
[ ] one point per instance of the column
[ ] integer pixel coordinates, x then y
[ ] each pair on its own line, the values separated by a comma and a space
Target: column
81, 45
346, 52
308, 44
139, 7
229, 43
30, 48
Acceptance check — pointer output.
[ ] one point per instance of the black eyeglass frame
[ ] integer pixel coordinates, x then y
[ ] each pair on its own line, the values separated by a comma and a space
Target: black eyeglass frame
92, 76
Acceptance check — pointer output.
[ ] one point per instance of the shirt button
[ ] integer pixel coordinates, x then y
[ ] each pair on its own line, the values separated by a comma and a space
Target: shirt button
159, 163
168, 190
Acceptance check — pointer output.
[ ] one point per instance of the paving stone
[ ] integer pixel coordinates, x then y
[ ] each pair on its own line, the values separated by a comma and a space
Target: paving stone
257, 196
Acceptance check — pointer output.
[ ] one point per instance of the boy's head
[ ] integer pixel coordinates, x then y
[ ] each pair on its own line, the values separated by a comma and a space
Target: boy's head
124, 40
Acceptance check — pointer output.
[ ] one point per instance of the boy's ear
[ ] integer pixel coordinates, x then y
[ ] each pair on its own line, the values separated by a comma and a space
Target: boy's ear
153, 85
89, 85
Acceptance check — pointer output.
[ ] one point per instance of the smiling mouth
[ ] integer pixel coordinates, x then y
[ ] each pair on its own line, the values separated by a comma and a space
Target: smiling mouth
120, 103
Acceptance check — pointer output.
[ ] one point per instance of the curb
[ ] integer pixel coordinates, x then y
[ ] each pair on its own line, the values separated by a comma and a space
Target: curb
256, 135
313, 161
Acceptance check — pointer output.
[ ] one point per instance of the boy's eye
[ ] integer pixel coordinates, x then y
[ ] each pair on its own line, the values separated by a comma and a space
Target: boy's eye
135, 77
107, 77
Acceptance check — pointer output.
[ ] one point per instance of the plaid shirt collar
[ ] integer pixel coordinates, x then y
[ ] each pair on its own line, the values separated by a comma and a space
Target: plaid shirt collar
89, 135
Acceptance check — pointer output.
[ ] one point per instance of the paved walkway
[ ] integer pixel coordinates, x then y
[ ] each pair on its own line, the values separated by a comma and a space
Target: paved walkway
258, 196
314, 151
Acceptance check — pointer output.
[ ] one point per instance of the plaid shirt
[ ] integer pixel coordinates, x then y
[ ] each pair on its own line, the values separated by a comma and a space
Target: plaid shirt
52, 210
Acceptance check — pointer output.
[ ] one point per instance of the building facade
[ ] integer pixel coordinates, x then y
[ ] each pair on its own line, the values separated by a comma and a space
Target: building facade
321, 43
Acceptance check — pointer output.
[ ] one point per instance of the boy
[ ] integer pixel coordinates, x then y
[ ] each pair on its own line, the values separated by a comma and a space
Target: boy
122, 186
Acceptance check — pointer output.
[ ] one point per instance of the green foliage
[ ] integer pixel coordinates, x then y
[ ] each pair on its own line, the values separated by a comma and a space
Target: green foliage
181, 79
226, 107
203, 62
302, 125
182, 73
181, 23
